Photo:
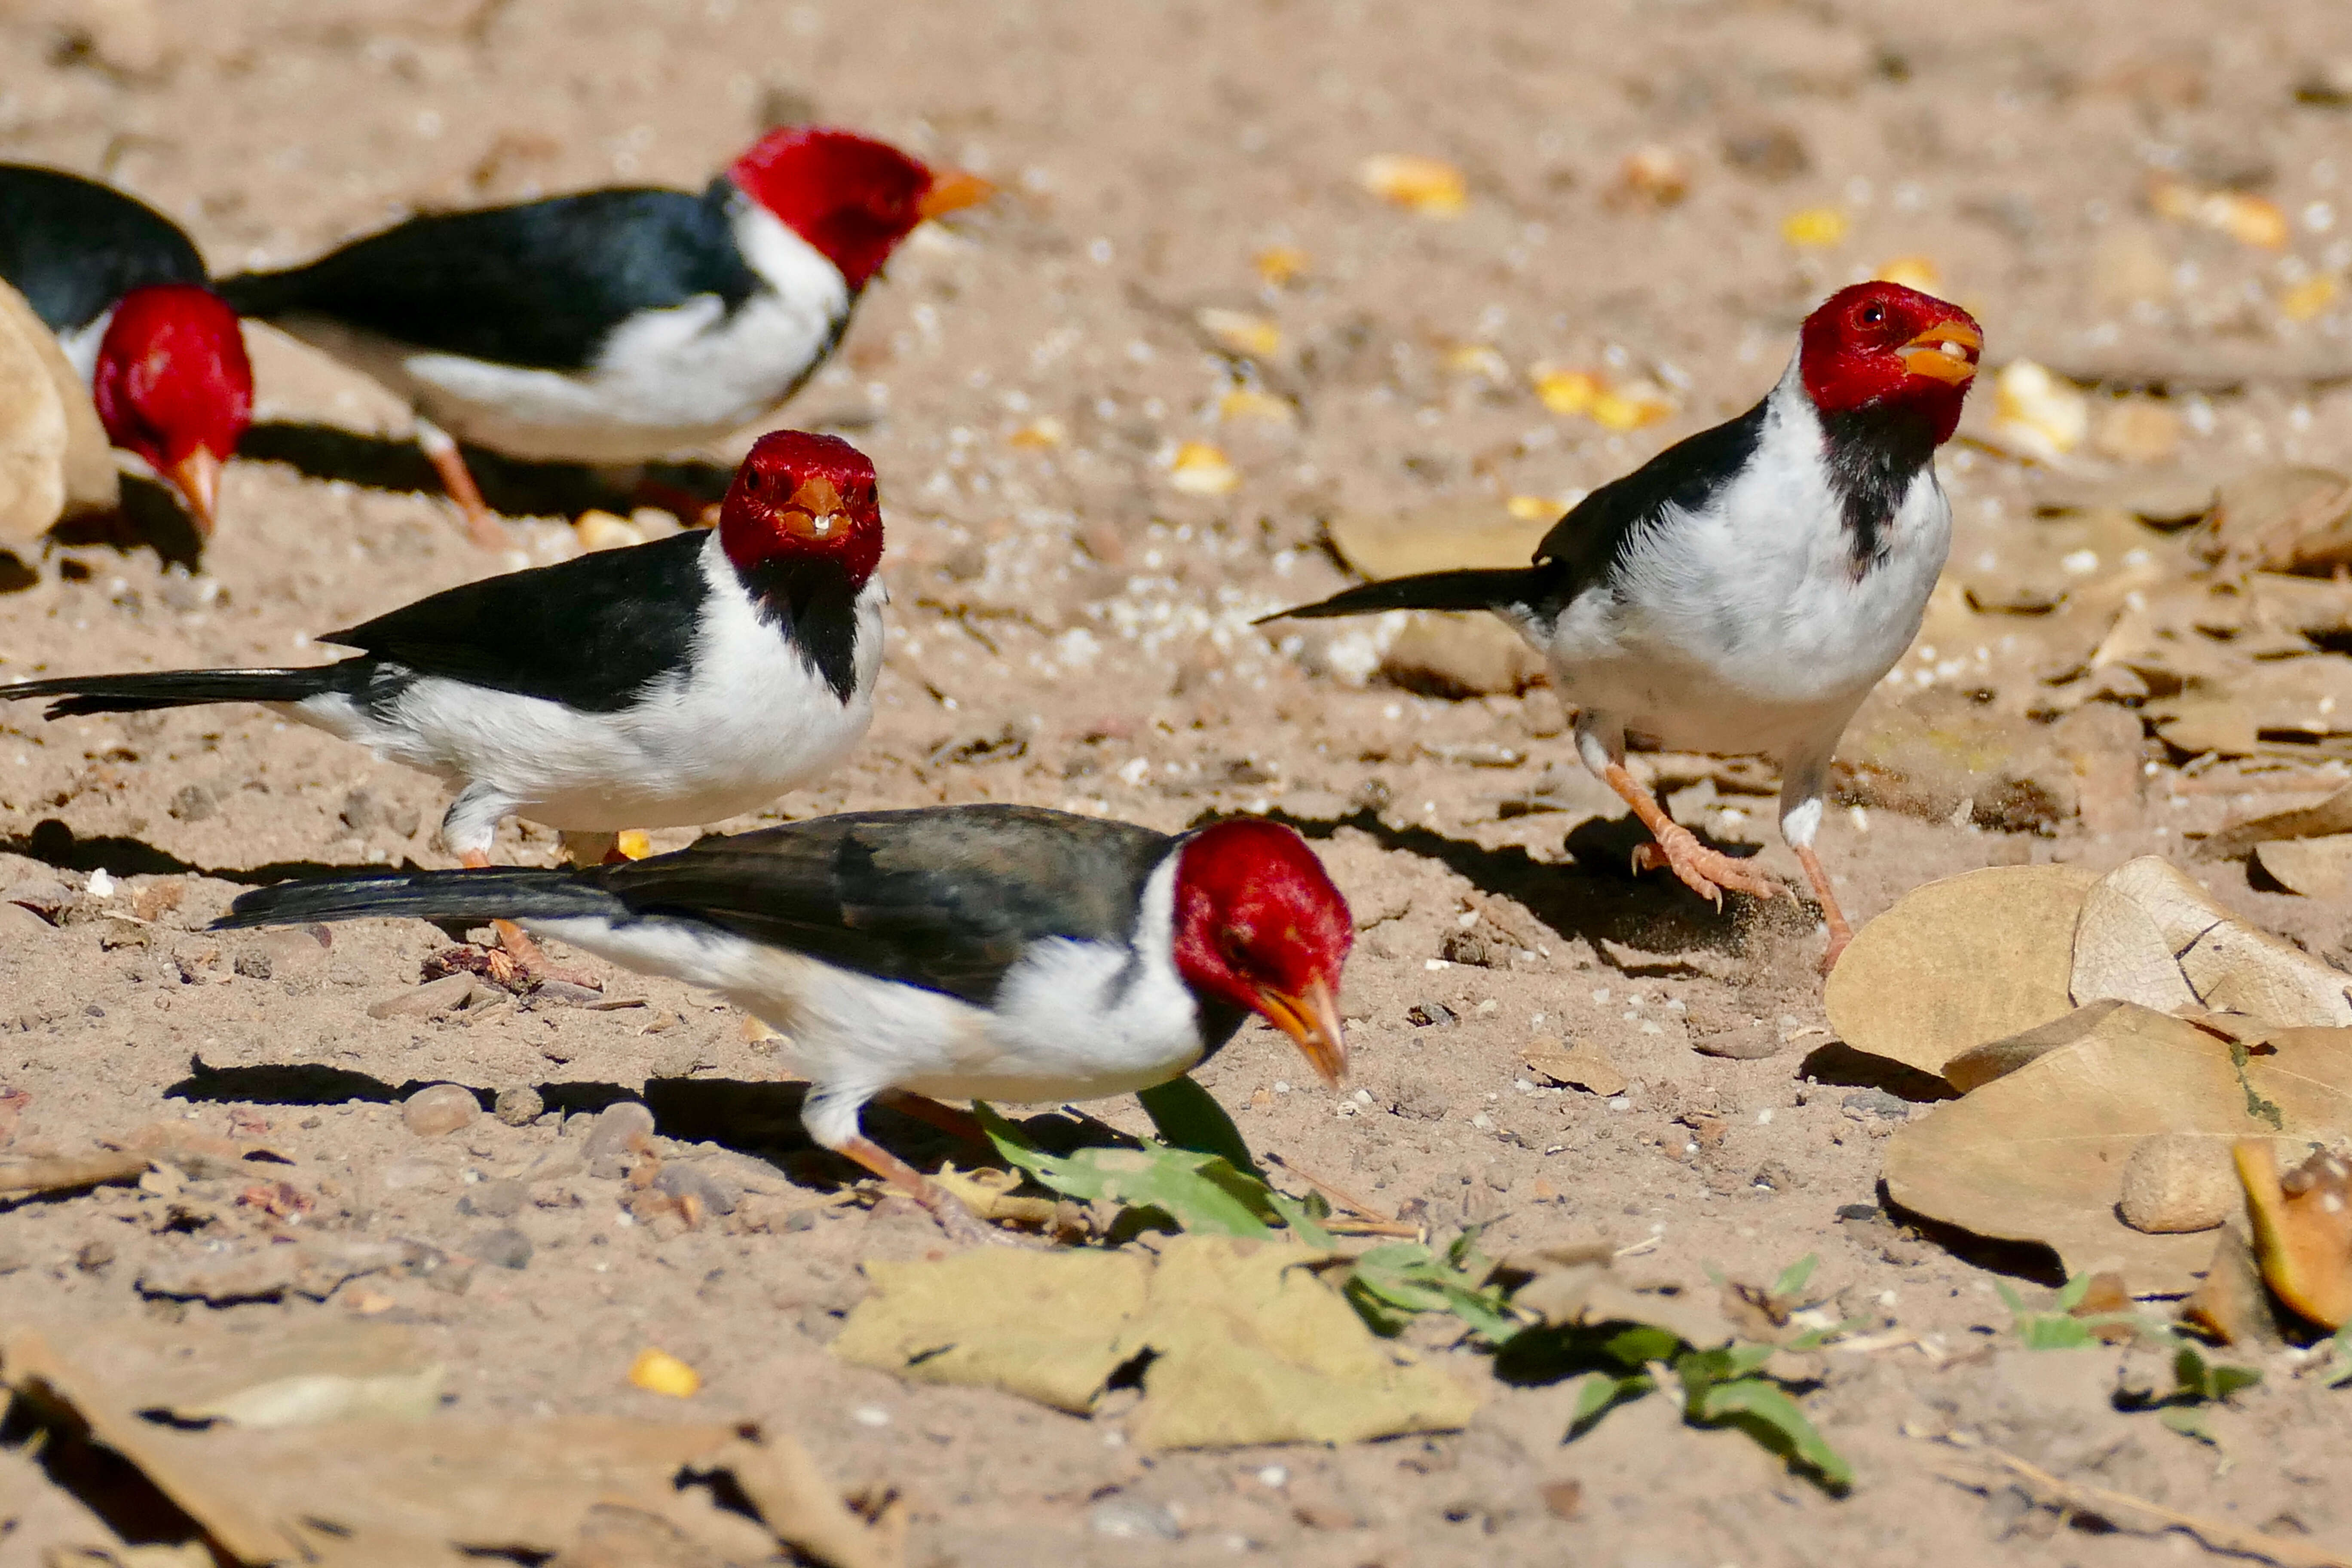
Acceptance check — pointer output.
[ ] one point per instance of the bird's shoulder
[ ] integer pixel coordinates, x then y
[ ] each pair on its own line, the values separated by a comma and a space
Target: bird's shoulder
1584, 549
591, 633
945, 898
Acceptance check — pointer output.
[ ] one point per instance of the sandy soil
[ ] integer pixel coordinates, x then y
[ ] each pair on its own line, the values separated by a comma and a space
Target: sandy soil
1070, 629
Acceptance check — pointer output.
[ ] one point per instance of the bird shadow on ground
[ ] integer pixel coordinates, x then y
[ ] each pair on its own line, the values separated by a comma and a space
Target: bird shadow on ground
512, 486
762, 1119
53, 843
1590, 894
150, 518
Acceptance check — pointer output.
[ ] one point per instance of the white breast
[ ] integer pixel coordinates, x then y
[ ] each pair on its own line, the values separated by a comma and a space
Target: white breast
746, 721
1073, 1020
1749, 627
664, 381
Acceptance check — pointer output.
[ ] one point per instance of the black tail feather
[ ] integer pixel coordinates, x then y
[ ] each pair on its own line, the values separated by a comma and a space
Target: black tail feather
489, 892
1431, 591
137, 693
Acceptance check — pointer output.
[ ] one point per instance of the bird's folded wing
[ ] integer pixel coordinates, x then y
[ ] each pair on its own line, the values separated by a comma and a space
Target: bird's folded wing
592, 632
1584, 547
542, 285
946, 899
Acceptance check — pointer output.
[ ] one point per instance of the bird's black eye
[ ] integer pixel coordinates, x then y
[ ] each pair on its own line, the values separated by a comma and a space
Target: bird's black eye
752, 481
1872, 314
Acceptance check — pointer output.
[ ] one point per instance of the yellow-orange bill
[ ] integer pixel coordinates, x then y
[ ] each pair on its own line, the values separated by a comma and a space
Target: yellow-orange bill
1312, 1020
1946, 351
197, 479
953, 190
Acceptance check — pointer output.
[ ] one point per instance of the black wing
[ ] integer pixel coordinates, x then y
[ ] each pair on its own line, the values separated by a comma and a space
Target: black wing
542, 285
591, 633
73, 247
947, 897
1584, 548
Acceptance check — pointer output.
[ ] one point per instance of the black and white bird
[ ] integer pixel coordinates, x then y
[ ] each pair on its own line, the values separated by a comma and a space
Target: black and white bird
613, 326
668, 684
130, 301
1744, 589
999, 953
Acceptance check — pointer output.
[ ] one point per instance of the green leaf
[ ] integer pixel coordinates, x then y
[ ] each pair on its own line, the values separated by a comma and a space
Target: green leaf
1792, 1279
2340, 1371
2200, 1381
2190, 1421
1758, 1407
1638, 1344
1407, 1276
1815, 1339
2069, 1295
1301, 1217
1199, 1192
1188, 1117
1599, 1393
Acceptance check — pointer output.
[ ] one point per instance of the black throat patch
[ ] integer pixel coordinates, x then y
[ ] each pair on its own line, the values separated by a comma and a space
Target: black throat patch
1874, 454
812, 604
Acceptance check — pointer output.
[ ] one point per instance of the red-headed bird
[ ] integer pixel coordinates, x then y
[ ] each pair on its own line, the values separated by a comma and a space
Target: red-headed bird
128, 297
613, 326
1744, 589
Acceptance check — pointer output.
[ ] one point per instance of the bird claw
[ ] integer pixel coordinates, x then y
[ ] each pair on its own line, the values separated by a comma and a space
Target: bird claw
962, 1226
1705, 872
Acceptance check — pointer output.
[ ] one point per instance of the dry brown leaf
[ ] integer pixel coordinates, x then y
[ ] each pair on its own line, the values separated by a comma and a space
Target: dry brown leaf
2149, 934
2315, 867
1972, 958
64, 1172
2303, 1228
1435, 539
2299, 707
1580, 1065
2329, 818
2038, 1156
1979, 1064
2284, 519
2231, 1302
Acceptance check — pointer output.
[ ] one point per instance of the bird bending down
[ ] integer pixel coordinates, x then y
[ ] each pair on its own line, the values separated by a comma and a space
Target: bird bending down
612, 326
128, 298
973, 952
1744, 589
665, 685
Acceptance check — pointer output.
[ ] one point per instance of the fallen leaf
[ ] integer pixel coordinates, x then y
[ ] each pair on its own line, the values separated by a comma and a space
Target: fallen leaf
2231, 1302
2315, 867
1580, 1065
1979, 1064
2149, 934
2329, 818
1247, 1344
2038, 1156
1978, 957
2289, 519
989, 1195
2303, 1228
66, 1172
657, 1372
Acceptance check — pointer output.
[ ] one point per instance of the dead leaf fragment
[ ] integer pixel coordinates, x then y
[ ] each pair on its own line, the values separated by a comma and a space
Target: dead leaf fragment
1972, 958
2315, 867
2329, 818
2038, 1156
1580, 1065
1435, 539
2148, 933
2284, 519
2303, 1228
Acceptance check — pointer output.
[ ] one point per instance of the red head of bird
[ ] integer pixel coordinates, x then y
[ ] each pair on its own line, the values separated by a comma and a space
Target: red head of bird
172, 384
799, 496
851, 197
1259, 924
1881, 345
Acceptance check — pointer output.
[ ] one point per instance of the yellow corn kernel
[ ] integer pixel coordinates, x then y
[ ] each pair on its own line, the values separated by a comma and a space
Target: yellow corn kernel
634, 842
1240, 332
2040, 413
604, 530
2250, 220
1250, 402
1533, 509
1279, 264
1630, 409
1568, 392
2309, 299
658, 1372
1476, 359
1040, 433
1814, 228
1430, 187
1200, 470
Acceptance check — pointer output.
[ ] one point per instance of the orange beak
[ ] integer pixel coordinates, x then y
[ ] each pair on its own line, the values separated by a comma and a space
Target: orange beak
197, 479
1946, 351
1311, 1019
952, 191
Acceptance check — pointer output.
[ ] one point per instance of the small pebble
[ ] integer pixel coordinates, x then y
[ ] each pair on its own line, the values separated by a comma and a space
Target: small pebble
1124, 1519
682, 1179
505, 1248
519, 1106
613, 1137
1864, 1104
2175, 1182
439, 1110
495, 1200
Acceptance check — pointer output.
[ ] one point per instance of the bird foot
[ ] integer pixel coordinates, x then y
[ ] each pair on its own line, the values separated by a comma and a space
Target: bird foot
1705, 872
962, 1226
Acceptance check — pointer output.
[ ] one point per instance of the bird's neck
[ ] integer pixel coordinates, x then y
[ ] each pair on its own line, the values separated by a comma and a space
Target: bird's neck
812, 603
1872, 457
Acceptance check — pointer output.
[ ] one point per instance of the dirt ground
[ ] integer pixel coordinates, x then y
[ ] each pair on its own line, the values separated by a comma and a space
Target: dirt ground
1068, 628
